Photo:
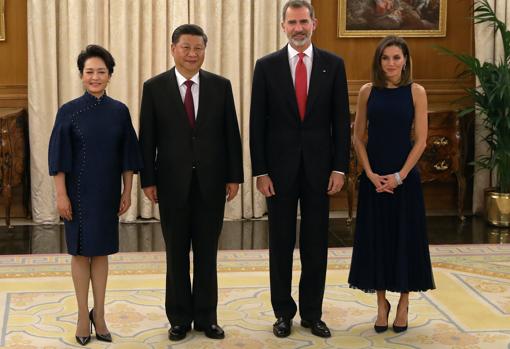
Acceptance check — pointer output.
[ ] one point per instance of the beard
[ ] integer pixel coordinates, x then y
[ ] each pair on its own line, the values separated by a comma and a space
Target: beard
301, 42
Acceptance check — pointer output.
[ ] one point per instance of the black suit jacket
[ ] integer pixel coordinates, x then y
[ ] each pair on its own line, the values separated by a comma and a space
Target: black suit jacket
279, 142
171, 148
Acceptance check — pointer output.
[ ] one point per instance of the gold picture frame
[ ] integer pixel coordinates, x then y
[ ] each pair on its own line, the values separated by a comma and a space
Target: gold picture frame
378, 18
2, 20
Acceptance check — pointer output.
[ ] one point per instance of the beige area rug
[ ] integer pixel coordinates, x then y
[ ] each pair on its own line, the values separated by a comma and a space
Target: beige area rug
469, 309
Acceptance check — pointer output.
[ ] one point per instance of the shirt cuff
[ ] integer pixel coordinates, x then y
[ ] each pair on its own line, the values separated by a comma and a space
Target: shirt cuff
339, 172
265, 174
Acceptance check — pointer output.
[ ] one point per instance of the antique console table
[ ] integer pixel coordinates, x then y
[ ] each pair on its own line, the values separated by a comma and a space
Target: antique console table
13, 156
444, 156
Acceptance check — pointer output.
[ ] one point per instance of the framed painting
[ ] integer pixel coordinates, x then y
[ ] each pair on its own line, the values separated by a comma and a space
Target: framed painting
378, 18
2, 20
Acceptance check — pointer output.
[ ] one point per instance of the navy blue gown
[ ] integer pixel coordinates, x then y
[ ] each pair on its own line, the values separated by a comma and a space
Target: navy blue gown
390, 244
93, 142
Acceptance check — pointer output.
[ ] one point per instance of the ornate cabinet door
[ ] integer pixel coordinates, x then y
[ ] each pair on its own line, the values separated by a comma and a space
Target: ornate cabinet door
445, 153
443, 157
13, 156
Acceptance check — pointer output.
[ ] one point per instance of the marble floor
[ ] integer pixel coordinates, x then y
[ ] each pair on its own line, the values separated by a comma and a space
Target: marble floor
145, 236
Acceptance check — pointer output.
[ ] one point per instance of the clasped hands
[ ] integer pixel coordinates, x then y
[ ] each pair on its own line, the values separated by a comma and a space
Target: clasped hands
383, 184
265, 184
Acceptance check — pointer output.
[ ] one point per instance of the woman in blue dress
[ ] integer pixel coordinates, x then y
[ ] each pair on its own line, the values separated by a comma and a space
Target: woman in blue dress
390, 244
93, 145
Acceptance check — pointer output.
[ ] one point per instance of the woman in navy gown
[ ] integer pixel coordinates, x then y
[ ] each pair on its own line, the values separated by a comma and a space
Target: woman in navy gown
390, 244
93, 145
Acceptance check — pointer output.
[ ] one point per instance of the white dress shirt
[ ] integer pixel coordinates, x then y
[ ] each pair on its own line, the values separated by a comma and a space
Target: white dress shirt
307, 60
181, 82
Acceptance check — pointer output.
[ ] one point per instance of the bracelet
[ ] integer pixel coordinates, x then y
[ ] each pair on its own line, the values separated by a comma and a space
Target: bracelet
397, 178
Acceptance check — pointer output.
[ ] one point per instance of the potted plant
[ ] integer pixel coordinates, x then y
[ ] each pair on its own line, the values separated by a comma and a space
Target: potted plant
491, 99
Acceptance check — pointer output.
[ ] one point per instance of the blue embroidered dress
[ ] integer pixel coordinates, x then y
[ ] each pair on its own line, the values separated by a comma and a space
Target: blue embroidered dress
93, 142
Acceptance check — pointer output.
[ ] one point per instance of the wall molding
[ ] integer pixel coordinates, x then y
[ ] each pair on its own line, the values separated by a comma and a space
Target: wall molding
13, 96
438, 90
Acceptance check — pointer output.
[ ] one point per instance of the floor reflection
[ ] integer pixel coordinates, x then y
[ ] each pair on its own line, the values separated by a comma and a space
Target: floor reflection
239, 235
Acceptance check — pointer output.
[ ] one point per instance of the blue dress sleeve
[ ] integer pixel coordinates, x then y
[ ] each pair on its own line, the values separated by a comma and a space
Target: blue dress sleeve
60, 150
131, 156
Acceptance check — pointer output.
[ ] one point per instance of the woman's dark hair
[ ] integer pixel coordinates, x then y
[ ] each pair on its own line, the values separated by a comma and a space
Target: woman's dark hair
96, 51
188, 29
378, 77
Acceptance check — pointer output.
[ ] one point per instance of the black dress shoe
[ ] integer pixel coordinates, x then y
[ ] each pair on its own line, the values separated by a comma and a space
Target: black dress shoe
178, 332
380, 329
107, 337
82, 340
282, 326
319, 328
213, 331
398, 329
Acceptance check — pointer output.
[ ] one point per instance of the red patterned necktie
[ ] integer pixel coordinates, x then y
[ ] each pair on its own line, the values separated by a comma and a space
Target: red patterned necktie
300, 85
188, 103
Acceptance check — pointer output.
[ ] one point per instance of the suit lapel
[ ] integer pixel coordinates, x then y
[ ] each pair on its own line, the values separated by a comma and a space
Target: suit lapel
286, 80
318, 69
174, 100
203, 100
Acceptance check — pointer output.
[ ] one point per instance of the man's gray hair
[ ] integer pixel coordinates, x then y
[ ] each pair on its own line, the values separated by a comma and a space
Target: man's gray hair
298, 4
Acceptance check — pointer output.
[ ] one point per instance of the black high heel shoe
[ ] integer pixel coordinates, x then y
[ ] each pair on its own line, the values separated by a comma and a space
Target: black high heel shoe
100, 337
84, 340
398, 329
380, 329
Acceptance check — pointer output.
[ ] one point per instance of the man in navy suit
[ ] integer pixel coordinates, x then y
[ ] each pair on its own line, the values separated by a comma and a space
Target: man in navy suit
192, 155
299, 141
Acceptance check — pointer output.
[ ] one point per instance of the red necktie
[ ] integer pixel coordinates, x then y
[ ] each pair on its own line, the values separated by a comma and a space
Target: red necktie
188, 104
300, 85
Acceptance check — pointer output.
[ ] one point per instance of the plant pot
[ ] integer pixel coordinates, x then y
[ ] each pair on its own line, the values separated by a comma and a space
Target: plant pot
497, 207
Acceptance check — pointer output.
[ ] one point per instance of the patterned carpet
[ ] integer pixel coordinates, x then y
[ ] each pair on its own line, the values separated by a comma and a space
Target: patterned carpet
469, 309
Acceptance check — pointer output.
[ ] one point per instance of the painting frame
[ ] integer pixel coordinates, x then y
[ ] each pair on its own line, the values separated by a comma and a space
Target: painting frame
348, 30
2, 20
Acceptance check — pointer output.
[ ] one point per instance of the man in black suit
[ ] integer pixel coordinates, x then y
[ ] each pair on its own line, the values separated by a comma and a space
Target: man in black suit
299, 140
191, 147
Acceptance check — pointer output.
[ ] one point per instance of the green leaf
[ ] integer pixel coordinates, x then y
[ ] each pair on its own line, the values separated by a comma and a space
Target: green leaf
491, 97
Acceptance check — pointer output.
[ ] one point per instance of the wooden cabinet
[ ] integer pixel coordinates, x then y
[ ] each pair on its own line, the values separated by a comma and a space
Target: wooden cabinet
443, 157
13, 156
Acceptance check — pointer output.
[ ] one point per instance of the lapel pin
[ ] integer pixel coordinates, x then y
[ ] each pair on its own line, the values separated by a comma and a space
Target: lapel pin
324, 70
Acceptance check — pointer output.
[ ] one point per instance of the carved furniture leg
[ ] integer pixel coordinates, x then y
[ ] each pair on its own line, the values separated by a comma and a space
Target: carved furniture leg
461, 193
7, 194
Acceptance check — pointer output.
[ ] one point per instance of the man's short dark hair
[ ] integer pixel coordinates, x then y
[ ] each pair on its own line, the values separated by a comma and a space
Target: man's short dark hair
188, 29
95, 51
298, 4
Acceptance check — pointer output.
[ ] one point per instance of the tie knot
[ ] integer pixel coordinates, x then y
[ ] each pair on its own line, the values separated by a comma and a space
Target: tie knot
301, 55
188, 83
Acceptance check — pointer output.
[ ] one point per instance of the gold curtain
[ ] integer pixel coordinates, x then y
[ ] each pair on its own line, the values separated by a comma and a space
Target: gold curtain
138, 34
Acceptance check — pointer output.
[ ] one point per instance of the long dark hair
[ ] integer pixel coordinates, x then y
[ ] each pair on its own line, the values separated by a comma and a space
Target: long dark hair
378, 77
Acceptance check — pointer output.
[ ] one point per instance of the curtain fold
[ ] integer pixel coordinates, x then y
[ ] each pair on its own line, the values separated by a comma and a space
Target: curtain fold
138, 34
43, 102
488, 48
239, 32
